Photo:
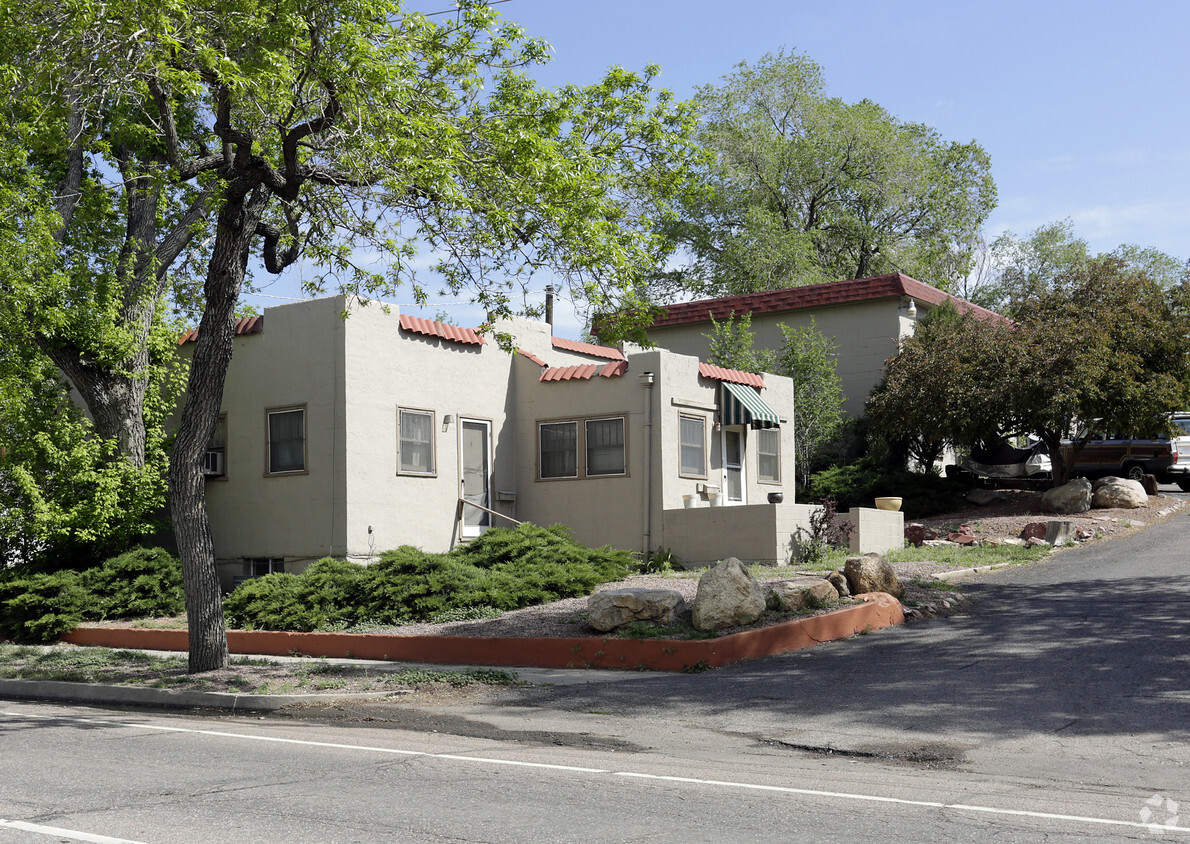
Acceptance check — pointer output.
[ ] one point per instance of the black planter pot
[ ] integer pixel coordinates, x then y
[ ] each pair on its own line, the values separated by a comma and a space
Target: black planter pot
776, 497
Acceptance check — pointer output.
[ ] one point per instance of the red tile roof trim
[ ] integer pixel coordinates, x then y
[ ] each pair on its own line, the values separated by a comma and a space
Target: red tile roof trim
735, 376
532, 357
244, 325
587, 348
816, 296
433, 328
584, 372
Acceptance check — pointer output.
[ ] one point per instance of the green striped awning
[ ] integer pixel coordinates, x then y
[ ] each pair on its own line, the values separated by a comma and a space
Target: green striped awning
742, 405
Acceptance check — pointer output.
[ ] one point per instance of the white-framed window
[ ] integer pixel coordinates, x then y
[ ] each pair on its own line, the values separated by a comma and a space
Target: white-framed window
286, 440
605, 446
415, 442
592, 447
768, 455
692, 435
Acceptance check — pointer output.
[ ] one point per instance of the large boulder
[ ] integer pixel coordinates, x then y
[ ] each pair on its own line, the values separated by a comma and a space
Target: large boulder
1120, 493
1072, 497
614, 608
804, 593
872, 573
728, 596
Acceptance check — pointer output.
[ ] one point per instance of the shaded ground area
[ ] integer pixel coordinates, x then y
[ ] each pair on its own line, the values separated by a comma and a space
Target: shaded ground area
1095, 641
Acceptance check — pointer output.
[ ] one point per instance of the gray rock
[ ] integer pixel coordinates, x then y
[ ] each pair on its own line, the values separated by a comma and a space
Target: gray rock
1060, 533
800, 594
983, 497
1120, 493
839, 580
727, 596
1072, 497
872, 573
614, 608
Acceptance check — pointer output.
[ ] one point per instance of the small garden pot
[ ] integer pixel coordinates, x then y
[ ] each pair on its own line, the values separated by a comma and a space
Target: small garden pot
776, 497
687, 501
714, 499
889, 503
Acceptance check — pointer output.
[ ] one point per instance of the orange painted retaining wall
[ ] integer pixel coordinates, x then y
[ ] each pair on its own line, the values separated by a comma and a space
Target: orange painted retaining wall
878, 610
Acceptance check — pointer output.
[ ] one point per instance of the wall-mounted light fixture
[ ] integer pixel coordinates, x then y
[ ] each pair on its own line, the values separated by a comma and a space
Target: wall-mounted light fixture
911, 311
446, 420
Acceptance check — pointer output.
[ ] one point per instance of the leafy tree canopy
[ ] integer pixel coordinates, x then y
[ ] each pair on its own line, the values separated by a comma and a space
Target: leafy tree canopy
1101, 342
340, 130
805, 188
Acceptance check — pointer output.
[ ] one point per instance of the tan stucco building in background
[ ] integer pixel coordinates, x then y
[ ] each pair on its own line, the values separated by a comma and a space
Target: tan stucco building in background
349, 436
866, 317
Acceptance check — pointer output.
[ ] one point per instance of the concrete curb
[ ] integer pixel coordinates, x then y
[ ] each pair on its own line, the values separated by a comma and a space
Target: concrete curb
877, 610
958, 574
60, 690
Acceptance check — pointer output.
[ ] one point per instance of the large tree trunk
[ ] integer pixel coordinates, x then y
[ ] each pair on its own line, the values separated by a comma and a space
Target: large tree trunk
236, 227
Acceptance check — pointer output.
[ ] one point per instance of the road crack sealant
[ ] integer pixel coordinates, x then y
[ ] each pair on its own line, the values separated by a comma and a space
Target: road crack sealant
985, 811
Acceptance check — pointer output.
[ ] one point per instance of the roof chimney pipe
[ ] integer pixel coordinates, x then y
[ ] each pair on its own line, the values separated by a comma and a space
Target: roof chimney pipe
549, 306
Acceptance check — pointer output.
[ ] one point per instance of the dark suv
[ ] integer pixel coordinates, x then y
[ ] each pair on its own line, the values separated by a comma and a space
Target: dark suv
1168, 458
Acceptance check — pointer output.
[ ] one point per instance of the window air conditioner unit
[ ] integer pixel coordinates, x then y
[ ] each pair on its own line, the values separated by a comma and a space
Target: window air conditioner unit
212, 464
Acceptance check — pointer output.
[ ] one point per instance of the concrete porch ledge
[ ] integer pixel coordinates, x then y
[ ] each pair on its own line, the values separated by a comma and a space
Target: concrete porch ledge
878, 610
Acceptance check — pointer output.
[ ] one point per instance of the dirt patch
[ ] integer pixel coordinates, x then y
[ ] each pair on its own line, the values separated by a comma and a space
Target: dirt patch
1007, 517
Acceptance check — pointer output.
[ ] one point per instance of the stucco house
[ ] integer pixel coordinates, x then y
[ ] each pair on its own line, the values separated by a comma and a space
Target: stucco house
866, 317
347, 437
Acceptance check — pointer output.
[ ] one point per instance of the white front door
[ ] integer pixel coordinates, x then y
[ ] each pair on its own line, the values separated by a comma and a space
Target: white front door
733, 465
476, 475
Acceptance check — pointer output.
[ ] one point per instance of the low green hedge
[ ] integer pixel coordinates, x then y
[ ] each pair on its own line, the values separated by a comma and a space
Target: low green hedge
857, 484
40, 606
504, 569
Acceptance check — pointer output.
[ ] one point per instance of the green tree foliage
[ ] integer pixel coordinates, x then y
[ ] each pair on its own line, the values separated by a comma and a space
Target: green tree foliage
806, 188
733, 345
332, 129
1019, 270
807, 357
1100, 342
72, 487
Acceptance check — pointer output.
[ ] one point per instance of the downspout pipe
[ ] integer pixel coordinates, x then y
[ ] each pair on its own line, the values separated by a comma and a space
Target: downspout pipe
647, 380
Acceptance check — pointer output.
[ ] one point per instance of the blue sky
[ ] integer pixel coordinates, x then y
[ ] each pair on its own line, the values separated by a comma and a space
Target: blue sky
1080, 105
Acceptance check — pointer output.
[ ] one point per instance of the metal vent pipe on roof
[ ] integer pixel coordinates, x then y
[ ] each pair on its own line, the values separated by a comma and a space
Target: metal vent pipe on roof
549, 305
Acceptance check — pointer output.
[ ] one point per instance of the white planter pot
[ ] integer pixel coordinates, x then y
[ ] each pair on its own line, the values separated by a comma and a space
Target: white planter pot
688, 501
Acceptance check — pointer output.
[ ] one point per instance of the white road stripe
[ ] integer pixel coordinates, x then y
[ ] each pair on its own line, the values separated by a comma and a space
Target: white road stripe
57, 832
837, 795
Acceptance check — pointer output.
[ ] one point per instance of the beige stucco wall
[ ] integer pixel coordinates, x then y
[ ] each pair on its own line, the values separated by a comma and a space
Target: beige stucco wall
866, 334
386, 368
352, 375
297, 362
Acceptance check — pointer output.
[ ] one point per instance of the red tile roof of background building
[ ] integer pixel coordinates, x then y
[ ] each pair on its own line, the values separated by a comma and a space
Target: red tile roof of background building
816, 296
735, 376
587, 348
532, 357
244, 325
433, 328
584, 371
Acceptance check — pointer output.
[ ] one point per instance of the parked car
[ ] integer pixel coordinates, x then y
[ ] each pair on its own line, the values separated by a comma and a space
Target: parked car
1107, 453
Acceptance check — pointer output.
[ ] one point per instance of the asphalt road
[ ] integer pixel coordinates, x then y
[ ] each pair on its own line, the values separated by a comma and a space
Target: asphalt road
1058, 710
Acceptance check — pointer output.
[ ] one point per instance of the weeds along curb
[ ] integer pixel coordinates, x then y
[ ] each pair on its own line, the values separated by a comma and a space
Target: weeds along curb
121, 695
878, 610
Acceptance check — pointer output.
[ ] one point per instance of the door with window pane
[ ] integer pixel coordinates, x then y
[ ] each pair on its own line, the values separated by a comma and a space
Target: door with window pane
733, 465
476, 480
